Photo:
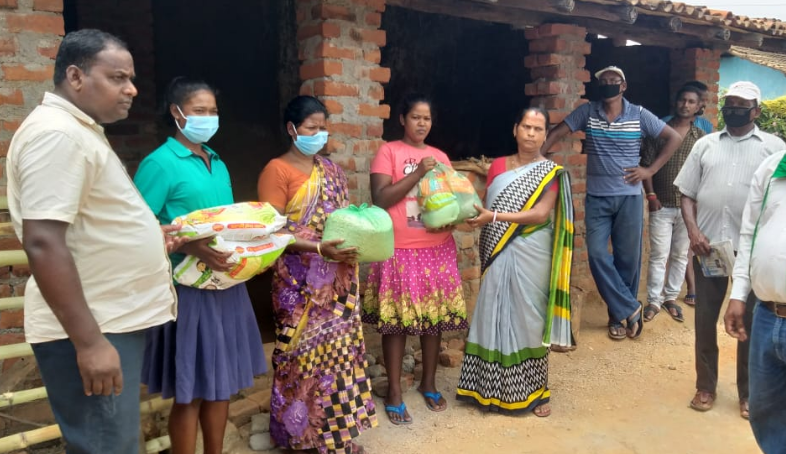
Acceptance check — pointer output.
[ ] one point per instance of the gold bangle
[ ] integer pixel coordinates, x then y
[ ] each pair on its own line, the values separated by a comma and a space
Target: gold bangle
319, 249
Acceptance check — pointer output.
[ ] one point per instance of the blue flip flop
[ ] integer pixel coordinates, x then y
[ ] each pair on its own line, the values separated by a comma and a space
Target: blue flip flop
434, 397
400, 410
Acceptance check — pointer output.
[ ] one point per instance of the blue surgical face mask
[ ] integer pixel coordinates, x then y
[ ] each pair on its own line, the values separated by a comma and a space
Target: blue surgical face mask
198, 128
310, 145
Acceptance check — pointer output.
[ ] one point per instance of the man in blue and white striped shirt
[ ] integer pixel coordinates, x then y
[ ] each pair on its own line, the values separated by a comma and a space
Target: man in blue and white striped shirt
614, 208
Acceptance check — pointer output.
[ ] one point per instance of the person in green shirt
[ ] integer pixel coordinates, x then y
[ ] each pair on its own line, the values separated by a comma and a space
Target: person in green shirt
214, 348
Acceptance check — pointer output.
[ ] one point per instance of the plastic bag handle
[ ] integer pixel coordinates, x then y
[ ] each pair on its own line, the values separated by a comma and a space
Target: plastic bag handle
362, 207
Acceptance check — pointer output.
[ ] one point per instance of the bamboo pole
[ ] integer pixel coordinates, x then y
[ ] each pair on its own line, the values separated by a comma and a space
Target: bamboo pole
32, 437
153, 405
10, 399
10, 258
15, 351
13, 302
158, 444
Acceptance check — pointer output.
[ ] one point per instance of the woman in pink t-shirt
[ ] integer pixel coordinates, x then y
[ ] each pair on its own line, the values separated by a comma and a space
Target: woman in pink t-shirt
418, 291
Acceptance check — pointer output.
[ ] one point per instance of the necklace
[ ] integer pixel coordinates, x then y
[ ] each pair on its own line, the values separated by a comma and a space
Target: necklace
518, 162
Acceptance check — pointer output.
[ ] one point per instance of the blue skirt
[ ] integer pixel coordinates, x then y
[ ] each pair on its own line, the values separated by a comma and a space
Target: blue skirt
211, 352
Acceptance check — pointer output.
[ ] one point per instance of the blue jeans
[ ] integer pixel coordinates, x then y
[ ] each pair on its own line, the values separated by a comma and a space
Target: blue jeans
768, 380
95, 424
616, 274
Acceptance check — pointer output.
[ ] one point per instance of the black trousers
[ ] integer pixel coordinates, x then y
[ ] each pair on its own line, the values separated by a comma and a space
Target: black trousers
710, 294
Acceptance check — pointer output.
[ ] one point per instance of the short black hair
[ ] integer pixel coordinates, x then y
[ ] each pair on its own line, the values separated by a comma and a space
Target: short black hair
179, 90
411, 100
80, 48
688, 89
302, 107
699, 85
536, 109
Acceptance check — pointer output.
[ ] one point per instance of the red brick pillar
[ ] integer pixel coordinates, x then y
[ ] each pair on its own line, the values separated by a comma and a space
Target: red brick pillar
556, 61
28, 44
339, 46
697, 64
132, 22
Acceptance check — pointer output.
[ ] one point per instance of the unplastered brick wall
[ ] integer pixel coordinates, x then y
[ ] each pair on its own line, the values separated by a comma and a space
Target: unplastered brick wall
132, 21
557, 64
697, 64
339, 48
30, 32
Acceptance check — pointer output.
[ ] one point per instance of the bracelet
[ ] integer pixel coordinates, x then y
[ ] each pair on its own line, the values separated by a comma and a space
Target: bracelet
652, 197
319, 249
651, 193
495, 217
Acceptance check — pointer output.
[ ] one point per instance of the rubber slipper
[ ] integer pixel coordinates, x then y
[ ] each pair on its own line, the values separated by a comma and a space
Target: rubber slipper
401, 411
650, 312
635, 319
435, 397
671, 306
690, 299
617, 332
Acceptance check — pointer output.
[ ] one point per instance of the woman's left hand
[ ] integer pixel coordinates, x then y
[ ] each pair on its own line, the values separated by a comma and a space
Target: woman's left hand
481, 219
330, 250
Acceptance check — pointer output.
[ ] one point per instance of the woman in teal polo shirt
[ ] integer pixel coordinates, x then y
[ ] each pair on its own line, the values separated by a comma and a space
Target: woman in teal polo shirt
214, 349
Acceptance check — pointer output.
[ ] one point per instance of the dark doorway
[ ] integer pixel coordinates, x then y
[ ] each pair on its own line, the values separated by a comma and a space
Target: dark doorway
472, 70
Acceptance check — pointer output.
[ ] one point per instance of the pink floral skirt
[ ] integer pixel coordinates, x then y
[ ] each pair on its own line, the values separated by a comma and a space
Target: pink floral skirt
416, 292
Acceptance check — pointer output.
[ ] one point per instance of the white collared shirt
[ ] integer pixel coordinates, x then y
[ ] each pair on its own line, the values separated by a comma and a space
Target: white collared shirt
62, 168
717, 175
763, 269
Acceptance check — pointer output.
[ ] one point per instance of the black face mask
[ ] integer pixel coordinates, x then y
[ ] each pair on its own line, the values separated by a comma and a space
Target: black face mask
736, 117
610, 91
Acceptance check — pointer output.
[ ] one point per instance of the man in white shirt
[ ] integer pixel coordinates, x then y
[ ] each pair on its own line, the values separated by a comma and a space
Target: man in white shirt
714, 183
761, 266
100, 274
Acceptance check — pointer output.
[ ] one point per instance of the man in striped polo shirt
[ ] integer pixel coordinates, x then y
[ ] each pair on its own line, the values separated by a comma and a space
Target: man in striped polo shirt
614, 207
714, 183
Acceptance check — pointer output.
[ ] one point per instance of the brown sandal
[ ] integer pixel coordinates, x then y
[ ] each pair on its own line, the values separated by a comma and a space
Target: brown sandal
744, 410
702, 401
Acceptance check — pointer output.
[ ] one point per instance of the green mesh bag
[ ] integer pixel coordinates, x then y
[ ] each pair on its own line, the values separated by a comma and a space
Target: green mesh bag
367, 228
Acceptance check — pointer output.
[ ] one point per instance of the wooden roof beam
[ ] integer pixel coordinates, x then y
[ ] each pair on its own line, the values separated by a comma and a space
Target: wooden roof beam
754, 40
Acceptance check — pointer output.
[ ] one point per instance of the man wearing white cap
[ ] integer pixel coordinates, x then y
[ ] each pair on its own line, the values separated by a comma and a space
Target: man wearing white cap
614, 207
714, 183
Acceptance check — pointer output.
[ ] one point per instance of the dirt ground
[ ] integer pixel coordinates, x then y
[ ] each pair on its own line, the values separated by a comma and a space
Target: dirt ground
607, 397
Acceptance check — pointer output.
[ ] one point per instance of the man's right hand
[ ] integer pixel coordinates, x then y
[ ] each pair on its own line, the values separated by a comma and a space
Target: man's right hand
99, 366
699, 243
654, 205
215, 260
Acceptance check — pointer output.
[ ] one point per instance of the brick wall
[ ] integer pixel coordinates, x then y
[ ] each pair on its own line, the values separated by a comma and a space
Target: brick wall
30, 32
697, 64
338, 43
557, 64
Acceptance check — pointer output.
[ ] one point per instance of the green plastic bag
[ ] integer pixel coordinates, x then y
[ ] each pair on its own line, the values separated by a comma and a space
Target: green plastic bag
465, 194
367, 228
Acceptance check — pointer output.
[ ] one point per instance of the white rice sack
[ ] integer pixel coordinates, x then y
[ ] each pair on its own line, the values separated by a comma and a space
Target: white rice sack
367, 228
250, 258
237, 222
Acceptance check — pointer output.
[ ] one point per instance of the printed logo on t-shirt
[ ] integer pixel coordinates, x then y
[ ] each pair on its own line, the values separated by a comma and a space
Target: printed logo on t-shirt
411, 199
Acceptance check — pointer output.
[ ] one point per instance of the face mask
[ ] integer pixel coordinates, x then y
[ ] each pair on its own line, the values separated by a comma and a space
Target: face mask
736, 117
310, 145
198, 128
610, 91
